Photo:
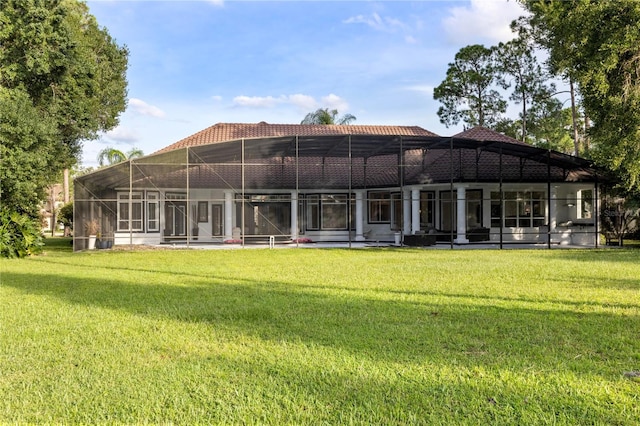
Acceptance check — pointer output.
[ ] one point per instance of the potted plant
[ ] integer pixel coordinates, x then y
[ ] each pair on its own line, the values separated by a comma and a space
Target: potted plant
102, 242
92, 229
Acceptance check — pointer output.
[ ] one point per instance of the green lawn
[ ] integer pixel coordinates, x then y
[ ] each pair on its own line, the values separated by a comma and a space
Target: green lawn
384, 336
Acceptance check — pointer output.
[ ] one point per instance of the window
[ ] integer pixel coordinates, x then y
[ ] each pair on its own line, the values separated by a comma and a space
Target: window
203, 214
396, 210
153, 212
496, 210
427, 209
217, 220
379, 207
334, 212
329, 212
522, 209
585, 204
474, 208
448, 210
264, 214
129, 211
313, 212
538, 209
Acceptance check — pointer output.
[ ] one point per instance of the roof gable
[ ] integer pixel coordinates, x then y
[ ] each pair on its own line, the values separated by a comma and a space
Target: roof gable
480, 133
223, 132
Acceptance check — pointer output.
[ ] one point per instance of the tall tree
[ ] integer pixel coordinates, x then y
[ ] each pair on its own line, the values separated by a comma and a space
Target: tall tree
326, 116
551, 127
597, 45
60, 69
29, 150
468, 93
517, 61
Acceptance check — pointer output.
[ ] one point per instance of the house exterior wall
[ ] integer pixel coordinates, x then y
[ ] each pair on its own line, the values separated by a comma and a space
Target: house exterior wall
559, 218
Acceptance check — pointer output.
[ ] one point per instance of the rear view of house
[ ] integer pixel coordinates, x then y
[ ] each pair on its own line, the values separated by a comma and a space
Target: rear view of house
258, 183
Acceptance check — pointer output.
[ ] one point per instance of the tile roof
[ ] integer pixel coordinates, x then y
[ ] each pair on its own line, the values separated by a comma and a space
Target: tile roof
222, 132
480, 133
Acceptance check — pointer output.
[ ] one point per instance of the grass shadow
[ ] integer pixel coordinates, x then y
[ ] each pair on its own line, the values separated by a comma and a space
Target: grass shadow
418, 330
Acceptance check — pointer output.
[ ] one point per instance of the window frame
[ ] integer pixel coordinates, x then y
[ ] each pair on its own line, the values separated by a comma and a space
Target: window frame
153, 204
427, 209
379, 207
129, 203
582, 200
332, 202
518, 209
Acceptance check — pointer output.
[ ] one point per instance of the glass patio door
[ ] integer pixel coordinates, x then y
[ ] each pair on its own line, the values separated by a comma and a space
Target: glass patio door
217, 220
175, 213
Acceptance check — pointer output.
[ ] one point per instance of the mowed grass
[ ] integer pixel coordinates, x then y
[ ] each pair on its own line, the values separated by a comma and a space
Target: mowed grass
383, 336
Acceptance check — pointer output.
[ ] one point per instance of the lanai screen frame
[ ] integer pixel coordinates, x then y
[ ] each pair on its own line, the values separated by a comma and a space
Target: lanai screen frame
291, 159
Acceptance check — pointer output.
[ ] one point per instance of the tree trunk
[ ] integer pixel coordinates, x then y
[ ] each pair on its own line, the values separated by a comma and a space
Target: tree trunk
524, 118
65, 185
65, 191
587, 124
574, 118
52, 200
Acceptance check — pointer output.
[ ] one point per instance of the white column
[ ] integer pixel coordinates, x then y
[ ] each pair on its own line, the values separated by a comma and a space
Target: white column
359, 216
406, 212
462, 216
294, 215
228, 215
415, 210
553, 213
553, 210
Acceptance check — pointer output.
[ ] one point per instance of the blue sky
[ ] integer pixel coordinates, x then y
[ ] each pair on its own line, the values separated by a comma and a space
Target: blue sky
193, 64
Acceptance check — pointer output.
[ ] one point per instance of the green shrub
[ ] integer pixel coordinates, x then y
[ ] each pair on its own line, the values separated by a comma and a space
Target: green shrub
20, 235
65, 215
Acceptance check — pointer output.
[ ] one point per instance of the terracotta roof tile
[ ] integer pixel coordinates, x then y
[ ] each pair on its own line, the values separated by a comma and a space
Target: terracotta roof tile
480, 133
222, 132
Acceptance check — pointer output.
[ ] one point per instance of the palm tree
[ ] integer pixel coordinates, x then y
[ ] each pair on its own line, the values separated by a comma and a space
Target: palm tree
134, 153
326, 116
112, 156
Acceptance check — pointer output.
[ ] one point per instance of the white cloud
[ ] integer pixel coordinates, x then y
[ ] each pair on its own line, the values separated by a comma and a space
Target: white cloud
482, 19
256, 101
376, 22
143, 108
123, 135
302, 102
335, 102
